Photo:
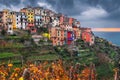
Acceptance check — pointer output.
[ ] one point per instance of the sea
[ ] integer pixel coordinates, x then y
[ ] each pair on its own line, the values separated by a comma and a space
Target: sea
113, 37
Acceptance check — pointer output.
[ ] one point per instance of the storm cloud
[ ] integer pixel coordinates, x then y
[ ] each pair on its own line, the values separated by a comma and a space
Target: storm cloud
91, 13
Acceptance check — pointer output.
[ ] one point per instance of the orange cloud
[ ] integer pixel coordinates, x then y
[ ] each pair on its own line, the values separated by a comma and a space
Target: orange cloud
106, 29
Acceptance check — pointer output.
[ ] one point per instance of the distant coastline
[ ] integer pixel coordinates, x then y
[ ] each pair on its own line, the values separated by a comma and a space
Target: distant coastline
110, 36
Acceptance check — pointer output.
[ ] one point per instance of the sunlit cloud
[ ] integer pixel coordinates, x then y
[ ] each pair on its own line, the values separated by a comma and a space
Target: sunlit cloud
106, 29
46, 5
94, 13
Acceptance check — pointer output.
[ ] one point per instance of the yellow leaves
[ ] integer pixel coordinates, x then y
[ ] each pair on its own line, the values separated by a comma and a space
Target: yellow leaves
16, 75
1, 73
10, 65
21, 78
17, 69
45, 71
31, 65
115, 69
86, 72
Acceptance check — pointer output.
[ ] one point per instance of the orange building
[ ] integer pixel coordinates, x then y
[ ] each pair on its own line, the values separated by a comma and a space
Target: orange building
77, 32
87, 35
57, 35
23, 10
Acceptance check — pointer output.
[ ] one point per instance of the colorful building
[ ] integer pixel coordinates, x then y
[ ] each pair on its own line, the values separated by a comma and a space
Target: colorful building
9, 24
61, 18
21, 20
70, 37
37, 10
38, 17
38, 21
30, 16
11, 21
18, 20
24, 10
5, 16
77, 32
62, 29
13, 18
71, 21
55, 22
1, 18
30, 19
57, 35
87, 35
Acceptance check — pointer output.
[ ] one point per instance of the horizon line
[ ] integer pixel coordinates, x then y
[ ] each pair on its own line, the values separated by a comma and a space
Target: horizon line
106, 29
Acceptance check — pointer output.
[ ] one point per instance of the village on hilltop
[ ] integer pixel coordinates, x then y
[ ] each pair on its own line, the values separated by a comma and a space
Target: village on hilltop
60, 28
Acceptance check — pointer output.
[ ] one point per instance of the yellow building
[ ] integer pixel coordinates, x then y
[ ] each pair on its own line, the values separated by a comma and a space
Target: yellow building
47, 35
12, 20
30, 15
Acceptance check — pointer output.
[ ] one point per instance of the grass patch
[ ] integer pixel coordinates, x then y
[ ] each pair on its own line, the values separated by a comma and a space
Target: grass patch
8, 55
44, 57
12, 37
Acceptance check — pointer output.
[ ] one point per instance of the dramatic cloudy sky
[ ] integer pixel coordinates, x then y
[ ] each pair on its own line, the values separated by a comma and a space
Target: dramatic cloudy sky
91, 13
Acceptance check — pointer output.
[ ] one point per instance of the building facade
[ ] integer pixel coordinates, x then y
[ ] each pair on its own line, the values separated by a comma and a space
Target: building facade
62, 29
87, 35
1, 18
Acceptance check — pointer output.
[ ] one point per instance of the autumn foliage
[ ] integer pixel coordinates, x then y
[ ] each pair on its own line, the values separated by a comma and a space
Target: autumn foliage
46, 71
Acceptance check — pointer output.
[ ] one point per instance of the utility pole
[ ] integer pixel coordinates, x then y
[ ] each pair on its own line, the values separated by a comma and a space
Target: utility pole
22, 60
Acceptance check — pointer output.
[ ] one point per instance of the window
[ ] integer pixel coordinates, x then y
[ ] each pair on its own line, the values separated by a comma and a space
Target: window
58, 43
64, 33
58, 33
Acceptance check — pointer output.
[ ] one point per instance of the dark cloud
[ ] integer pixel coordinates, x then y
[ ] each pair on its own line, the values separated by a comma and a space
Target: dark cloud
30, 2
76, 8
9, 2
